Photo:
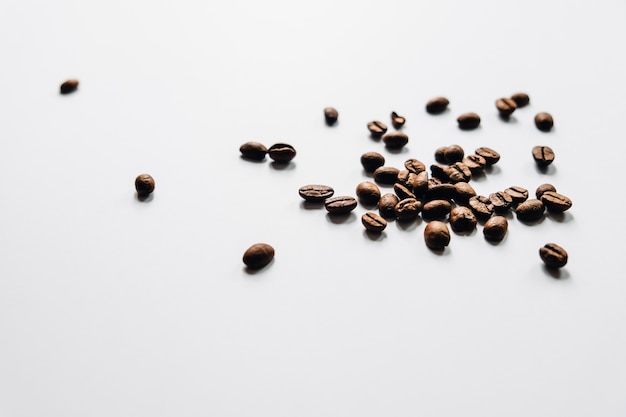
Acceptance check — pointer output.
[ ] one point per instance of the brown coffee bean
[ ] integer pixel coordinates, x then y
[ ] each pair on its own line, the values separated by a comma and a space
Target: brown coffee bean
543, 188
316, 193
544, 121
387, 205
495, 228
553, 255
408, 209
436, 209
530, 210
543, 155
421, 184
402, 191
386, 175
475, 163
439, 171
69, 86
258, 255
453, 153
468, 121
396, 120
372, 160
463, 192
144, 184
462, 220
440, 154
436, 235
253, 150
409, 179
490, 156
501, 201
440, 191
556, 202
281, 152
373, 222
331, 115
368, 192
377, 128
521, 99
437, 105
458, 172
395, 140
517, 194
414, 165
481, 206
340, 205
506, 106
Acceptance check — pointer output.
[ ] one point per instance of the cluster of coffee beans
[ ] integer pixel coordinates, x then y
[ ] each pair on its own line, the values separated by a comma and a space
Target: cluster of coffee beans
279, 152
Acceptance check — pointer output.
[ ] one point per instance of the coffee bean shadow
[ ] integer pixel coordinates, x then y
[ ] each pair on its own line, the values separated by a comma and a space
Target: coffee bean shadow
376, 138
368, 206
508, 119
470, 129
465, 232
255, 161
408, 225
492, 170
340, 218
479, 176
398, 151
283, 166
330, 123
441, 252
144, 198
311, 205
556, 273
546, 170
559, 216
375, 236
533, 222
252, 271
367, 174
498, 242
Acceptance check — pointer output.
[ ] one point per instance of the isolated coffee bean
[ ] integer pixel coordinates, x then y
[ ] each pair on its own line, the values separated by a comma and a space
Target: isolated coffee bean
437, 105
368, 192
556, 202
462, 220
495, 228
490, 156
530, 210
543, 155
395, 140
387, 205
521, 99
372, 160
475, 163
409, 179
481, 206
414, 165
281, 152
440, 191
436, 209
377, 128
468, 121
553, 255
453, 153
440, 154
501, 201
517, 194
436, 235
340, 205
408, 209
373, 222
258, 255
463, 192
69, 86
396, 120
316, 193
402, 191
386, 175
543, 188
458, 172
144, 184
253, 150
331, 115
506, 106
544, 121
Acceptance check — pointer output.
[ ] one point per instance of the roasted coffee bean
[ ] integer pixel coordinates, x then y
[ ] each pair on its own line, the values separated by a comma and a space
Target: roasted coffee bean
408, 209
377, 128
458, 172
463, 192
468, 121
402, 191
475, 163
543, 188
409, 179
395, 140
517, 194
462, 219
501, 201
371, 161
506, 106
340, 205
453, 153
495, 228
373, 222
436, 235
440, 191
481, 206
439, 171
144, 184
316, 193
436, 209
414, 165
69, 86
440, 154
258, 255
281, 152
543, 155
553, 255
544, 121
368, 192
386, 175
387, 205
421, 184
437, 105
490, 156
521, 99
530, 210
331, 115
396, 120
253, 150
556, 202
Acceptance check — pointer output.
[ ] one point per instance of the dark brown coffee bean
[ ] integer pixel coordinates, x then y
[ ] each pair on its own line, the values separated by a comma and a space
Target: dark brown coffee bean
258, 255
462, 219
553, 255
506, 106
530, 210
544, 121
436, 235
475, 163
556, 202
453, 153
371, 161
387, 205
468, 121
409, 179
543, 155
517, 194
458, 172
69, 86
331, 115
521, 99
340, 205
439, 171
543, 188
501, 201
481, 206
373, 222
377, 128
144, 184
414, 165
402, 191
386, 175
316, 193
440, 191
421, 184
490, 156
440, 154
368, 192
281, 152
463, 192
437, 105
396, 120
253, 150
395, 140
495, 228
436, 209
408, 209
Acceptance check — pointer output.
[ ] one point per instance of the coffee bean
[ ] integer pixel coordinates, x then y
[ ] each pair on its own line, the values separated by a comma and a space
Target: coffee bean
481, 206
556, 202
414, 165
440, 154
475, 163
371, 161
436, 209
517, 194
463, 192
340, 205
386, 175
530, 210
144, 184
395, 140
387, 205
377, 128
501, 201
316, 193
421, 184
402, 191
468, 121
409, 179
258, 255
281, 152
253, 150
543, 155
543, 188
437, 105
453, 153
521, 99
553, 255
396, 120
436, 235
506, 106
368, 192
495, 228
490, 156
69, 86
408, 209
439, 171
462, 219
544, 121
458, 172
331, 115
440, 191
373, 222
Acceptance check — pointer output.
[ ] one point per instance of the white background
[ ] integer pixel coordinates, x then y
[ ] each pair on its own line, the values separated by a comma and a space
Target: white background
114, 307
